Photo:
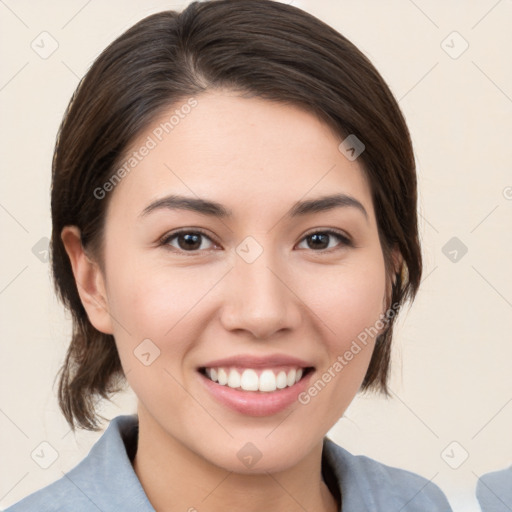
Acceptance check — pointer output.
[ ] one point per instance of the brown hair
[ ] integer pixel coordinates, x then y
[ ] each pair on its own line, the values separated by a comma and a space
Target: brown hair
261, 48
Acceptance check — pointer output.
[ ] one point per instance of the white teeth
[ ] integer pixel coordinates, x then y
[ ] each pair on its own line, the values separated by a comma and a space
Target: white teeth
291, 378
267, 381
234, 379
222, 376
249, 380
281, 381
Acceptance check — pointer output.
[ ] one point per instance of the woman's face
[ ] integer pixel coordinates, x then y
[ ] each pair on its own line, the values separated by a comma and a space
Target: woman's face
261, 286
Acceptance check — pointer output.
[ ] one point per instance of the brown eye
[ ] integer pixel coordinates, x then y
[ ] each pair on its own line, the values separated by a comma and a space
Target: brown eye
187, 241
320, 240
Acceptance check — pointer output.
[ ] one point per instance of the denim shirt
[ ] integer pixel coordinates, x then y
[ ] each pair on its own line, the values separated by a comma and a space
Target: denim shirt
494, 491
105, 481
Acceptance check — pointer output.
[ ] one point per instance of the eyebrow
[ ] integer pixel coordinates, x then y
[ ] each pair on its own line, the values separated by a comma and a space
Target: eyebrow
214, 209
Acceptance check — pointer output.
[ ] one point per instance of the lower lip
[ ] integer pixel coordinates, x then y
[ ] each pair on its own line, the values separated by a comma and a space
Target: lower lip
256, 403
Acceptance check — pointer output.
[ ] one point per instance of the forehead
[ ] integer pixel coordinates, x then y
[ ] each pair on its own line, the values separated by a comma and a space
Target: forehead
242, 152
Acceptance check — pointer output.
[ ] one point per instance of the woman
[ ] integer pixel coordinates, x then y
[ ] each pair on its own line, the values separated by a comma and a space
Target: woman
234, 232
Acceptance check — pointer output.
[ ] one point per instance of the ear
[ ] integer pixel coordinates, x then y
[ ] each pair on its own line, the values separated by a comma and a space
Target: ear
397, 262
89, 281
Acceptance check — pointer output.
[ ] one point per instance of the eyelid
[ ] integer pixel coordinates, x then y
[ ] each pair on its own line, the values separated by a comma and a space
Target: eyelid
329, 231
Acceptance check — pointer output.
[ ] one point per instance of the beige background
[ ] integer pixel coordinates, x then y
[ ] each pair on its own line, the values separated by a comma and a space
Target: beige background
452, 378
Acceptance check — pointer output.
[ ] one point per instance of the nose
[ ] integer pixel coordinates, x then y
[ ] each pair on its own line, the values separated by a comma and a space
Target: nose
260, 299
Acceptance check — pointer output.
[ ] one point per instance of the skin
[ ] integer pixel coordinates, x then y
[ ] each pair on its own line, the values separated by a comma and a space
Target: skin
257, 158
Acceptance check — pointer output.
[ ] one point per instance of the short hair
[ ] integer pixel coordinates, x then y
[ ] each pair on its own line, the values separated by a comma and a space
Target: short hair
260, 48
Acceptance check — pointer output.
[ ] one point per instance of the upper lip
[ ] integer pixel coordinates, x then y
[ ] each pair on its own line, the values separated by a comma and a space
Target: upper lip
247, 361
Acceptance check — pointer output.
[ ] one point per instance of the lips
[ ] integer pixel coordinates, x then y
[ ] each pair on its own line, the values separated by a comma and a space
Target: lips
255, 385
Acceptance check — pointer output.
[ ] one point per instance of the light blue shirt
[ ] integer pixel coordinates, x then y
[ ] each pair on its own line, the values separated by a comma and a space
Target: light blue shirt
105, 481
494, 491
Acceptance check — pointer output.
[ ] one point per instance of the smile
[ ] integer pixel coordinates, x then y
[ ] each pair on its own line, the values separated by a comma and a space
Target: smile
251, 379
255, 391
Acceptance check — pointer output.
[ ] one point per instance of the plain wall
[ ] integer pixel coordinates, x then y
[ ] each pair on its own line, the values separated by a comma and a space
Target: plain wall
451, 378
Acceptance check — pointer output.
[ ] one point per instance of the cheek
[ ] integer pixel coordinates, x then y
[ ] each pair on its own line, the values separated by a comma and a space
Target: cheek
159, 303
347, 299
144, 296
155, 307
349, 310
357, 310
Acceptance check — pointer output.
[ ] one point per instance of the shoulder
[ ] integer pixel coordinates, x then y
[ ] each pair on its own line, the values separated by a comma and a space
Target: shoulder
494, 491
103, 480
367, 484
56, 497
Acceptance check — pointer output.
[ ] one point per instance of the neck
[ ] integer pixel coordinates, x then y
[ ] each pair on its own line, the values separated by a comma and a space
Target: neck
176, 478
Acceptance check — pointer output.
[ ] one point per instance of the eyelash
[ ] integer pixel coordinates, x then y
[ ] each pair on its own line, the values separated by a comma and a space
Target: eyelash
164, 241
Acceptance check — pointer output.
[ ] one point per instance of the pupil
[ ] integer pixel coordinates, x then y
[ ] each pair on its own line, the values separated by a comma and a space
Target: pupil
317, 237
192, 241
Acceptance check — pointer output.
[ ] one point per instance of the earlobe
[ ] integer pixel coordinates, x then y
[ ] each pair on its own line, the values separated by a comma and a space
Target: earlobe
89, 280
